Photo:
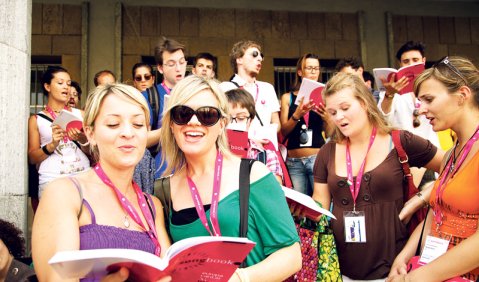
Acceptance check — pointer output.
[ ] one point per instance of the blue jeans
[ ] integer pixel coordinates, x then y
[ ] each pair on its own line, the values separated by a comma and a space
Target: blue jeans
301, 173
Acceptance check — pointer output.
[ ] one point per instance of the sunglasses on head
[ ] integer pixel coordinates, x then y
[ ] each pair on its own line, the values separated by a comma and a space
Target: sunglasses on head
445, 61
207, 116
256, 54
140, 77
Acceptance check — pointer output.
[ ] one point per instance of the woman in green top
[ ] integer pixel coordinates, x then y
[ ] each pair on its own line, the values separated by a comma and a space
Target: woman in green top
204, 186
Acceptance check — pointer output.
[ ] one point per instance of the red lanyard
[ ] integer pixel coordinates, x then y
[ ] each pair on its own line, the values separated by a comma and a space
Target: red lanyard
126, 205
355, 186
214, 198
449, 171
54, 116
168, 90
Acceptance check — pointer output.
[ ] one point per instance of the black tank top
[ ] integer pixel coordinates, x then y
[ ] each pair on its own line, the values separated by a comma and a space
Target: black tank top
315, 123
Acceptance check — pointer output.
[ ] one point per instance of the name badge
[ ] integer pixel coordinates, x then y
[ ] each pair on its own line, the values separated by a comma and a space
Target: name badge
434, 248
355, 227
309, 132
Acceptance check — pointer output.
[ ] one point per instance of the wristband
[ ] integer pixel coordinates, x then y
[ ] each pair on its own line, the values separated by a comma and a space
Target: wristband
390, 96
84, 144
294, 119
419, 194
45, 150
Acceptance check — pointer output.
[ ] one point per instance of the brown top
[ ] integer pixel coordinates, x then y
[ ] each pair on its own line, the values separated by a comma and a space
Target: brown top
381, 197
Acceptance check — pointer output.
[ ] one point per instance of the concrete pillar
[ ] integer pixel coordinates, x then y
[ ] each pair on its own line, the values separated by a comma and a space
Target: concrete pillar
15, 50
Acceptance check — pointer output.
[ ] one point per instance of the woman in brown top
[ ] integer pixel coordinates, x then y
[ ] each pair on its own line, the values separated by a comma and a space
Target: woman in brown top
359, 172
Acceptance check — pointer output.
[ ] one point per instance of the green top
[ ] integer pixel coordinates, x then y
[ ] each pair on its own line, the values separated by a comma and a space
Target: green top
270, 223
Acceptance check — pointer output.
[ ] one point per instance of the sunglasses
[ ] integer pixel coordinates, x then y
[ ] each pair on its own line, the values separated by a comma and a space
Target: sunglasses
140, 77
445, 61
416, 122
256, 54
207, 116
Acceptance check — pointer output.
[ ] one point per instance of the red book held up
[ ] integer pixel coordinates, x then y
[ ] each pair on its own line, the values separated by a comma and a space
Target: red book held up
238, 141
310, 90
207, 258
411, 72
67, 120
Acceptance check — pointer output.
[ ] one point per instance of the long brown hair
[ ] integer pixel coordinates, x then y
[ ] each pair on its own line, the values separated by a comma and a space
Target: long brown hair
300, 67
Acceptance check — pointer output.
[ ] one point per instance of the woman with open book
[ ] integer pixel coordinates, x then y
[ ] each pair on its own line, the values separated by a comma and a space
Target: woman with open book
54, 151
360, 174
302, 126
204, 186
449, 95
102, 207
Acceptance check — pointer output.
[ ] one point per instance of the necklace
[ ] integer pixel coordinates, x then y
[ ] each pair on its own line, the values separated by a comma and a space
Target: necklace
454, 156
126, 221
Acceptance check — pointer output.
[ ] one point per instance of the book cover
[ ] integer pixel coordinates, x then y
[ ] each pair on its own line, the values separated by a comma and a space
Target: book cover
411, 72
238, 141
67, 120
312, 210
205, 258
310, 90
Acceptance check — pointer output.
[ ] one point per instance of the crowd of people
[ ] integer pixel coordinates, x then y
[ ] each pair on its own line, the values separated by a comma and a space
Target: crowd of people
96, 185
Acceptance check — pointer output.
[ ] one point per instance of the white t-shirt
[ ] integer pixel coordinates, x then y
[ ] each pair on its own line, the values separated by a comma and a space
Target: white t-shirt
264, 95
401, 116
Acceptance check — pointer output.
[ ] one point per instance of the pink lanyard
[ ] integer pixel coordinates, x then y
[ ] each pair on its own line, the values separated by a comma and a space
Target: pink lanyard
54, 116
168, 90
214, 198
126, 205
257, 93
355, 186
449, 171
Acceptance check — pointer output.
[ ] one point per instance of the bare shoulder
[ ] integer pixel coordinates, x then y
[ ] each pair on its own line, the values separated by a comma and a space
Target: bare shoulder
258, 171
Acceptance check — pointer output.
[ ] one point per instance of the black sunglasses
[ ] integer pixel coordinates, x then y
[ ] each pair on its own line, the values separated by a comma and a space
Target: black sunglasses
207, 116
256, 53
445, 61
139, 77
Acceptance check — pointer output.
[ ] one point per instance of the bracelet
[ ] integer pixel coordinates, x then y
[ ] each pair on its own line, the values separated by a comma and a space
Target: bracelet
295, 119
242, 274
419, 194
84, 144
390, 96
45, 150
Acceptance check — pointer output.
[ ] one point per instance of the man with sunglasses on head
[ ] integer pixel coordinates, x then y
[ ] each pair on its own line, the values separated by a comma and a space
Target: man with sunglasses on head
171, 63
246, 59
204, 65
400, 110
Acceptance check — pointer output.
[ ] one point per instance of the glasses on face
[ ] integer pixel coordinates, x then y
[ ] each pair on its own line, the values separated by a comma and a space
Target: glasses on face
172, 63
139, 78
256, 54
240, 119
311, 68
207, 116
445, 61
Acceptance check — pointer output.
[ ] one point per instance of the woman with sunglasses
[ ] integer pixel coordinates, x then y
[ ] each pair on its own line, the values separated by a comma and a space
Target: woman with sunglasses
143, 77
54, 151
449, 92
302, 126
204, 186
359, 173
102, 208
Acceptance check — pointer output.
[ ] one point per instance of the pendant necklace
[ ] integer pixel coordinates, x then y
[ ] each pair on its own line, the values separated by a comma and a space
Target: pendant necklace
126, 221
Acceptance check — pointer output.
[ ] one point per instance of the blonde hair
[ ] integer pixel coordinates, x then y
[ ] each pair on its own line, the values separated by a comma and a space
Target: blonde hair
467, 75
182, 92
342, 81
95, 100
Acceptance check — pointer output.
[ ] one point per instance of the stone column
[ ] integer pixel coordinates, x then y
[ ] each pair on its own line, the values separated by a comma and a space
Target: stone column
15, 43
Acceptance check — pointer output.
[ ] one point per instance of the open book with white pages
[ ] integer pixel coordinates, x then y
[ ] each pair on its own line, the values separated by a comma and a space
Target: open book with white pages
67, 120
311, 209
205, 258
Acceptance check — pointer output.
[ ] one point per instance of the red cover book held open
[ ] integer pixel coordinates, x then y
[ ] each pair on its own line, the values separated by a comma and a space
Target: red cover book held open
411, 72
206, 258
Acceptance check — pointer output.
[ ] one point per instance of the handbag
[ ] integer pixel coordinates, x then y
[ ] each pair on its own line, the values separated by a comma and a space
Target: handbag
318, 250
412, 190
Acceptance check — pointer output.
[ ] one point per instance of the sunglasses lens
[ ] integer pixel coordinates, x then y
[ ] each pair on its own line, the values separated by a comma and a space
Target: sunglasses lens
147, 77
138, 78
255, 54
181, 114
208, 116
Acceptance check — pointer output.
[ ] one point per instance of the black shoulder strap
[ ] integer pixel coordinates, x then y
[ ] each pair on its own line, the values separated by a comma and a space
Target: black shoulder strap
235, 83
244, 181
418, 249
163, 192
153, 99
45, 117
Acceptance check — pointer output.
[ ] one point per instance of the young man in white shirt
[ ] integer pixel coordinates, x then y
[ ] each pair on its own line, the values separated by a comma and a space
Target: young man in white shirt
246, 59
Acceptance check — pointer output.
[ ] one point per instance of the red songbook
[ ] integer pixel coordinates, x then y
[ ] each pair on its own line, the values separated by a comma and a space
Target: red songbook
67, 120
238, 141
411, 72
310, 90
208, 258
